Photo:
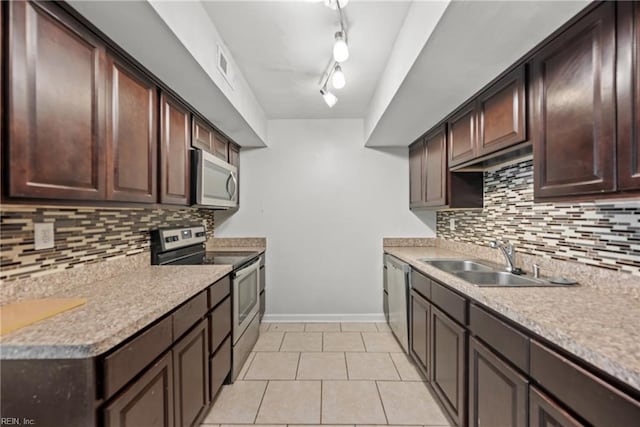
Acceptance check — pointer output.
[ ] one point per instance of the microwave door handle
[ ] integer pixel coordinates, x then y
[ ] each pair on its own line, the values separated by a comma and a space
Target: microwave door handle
235, 186
227, 185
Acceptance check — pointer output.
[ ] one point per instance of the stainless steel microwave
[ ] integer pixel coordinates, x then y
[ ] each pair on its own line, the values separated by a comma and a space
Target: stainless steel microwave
214, 182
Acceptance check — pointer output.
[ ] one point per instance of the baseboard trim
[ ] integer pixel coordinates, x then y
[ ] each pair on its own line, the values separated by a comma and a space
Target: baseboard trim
311, 318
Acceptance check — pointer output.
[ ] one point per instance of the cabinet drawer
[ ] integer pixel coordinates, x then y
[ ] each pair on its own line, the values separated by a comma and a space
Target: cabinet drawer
421, 283
187, 315
219, 291
502, 337
220, 325
449, 302
596, 401
126, 362
219, 367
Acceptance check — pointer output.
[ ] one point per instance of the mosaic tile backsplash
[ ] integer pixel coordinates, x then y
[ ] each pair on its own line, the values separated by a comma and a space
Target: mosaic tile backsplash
82, 235
603, 234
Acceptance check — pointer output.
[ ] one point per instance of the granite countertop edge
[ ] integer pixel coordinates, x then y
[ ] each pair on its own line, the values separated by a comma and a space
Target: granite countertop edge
46, 340
555, 335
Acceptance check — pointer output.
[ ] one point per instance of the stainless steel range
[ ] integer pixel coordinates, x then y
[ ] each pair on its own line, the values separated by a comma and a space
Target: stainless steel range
185, 246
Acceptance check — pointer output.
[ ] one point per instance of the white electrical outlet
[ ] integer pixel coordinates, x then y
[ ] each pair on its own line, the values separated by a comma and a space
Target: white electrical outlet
452, 224
43, 235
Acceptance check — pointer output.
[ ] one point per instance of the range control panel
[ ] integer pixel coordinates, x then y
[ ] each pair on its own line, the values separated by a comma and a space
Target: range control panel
175, 238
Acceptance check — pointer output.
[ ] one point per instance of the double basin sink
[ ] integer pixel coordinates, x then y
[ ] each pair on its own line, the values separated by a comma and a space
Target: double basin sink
483, 275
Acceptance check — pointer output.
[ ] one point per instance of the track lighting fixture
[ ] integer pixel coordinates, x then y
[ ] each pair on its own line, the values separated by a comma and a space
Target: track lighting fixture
340, 47
333, 4
338, 80
340, 54
329, 98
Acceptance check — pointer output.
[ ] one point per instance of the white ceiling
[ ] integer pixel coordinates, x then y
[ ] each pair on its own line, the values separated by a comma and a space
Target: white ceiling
283, 48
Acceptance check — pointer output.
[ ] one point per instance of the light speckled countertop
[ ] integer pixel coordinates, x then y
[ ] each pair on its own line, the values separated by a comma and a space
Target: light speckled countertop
116, 308
599, 326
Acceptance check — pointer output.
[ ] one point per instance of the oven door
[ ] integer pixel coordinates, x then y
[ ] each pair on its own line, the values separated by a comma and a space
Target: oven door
215, 181
246, 300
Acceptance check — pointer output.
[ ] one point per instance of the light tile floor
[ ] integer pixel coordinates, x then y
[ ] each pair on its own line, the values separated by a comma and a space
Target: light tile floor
329, 374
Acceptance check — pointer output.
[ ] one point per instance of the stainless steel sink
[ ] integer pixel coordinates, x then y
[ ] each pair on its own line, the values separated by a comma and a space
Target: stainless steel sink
481, 274
498, 278
455, 265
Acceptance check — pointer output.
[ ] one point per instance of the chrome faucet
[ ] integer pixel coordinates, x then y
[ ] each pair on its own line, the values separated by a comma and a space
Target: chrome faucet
509, 252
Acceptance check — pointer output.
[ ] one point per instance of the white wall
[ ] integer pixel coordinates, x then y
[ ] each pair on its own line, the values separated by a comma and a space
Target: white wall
324, 203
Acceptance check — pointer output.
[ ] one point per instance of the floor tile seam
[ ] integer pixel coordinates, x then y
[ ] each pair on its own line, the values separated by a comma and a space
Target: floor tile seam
264, 393
298, 365
384, 411
396, 367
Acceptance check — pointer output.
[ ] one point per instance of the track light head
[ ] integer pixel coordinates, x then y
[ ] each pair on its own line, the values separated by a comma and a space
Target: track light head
338, 80
329, 98
340, 47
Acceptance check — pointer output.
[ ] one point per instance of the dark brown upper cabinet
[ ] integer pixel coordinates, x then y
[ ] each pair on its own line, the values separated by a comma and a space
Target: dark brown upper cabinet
628, 89
462, 135
132, 138
435, 168
493, 121
220, 145
574, 115
234, 155
416, 182
502, 113
431, 184
174, 151
56, 99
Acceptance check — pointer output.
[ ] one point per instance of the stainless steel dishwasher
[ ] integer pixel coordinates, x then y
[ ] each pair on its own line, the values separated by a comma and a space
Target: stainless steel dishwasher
398, 290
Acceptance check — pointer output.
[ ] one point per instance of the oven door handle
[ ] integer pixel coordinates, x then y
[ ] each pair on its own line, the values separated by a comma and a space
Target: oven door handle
248, 270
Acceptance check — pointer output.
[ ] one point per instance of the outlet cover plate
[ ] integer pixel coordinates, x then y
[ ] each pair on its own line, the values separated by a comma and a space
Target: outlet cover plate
43, 235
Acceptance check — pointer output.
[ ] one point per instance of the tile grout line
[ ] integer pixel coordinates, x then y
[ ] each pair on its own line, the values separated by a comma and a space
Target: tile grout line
346, 365
363, 343
384, 411
281, 341
321, 384
298, 365
396, 366
264, 393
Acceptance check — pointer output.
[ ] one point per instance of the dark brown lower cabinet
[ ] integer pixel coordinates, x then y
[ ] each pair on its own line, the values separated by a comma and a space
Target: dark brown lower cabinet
148, 402
220, 366
448, 368
497, 393
191, 374
544, 412
420, 310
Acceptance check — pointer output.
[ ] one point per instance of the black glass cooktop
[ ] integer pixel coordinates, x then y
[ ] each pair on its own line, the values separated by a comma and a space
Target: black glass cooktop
228, 258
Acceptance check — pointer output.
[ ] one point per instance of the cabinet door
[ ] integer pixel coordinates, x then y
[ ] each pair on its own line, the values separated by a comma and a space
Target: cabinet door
220, 147
55, 105
416, 185
448, 342
628, 87
544, 412
573, 126
498, 395
502, 113
147, 402
202, 135
462, 135
132, 142
420, 314
234, 155
435, 168
174, 152
191, 373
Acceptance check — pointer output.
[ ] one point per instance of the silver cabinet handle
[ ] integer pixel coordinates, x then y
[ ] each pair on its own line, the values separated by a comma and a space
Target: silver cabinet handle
227, 185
